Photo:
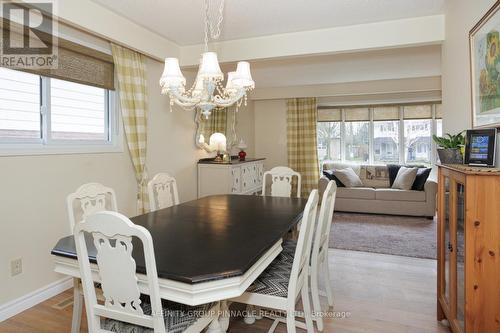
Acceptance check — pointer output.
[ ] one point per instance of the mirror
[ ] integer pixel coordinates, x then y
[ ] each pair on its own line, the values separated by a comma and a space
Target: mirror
220, 121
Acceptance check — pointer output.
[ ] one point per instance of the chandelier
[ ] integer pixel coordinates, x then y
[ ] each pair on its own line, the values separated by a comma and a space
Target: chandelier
207, 91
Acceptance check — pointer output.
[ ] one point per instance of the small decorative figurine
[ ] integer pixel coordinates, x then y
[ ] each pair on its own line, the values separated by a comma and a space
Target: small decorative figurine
242, 146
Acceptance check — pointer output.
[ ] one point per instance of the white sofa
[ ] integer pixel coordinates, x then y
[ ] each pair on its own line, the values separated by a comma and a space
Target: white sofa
376, 196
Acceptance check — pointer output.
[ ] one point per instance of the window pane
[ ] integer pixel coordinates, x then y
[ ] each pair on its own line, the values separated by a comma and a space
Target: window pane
78, 111
417, 141
329, 141
386, 141
19, 105
357, 141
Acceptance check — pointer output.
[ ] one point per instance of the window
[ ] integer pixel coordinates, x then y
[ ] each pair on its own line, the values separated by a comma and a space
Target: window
380, 134
357, 136
20, 105
386, 134
46, 115
329, 144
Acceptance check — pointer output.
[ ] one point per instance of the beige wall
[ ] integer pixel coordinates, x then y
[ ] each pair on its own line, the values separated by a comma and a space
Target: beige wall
461, 16
34, 188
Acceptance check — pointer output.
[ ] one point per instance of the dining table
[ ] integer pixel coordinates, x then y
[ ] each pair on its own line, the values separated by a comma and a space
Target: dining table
207, 250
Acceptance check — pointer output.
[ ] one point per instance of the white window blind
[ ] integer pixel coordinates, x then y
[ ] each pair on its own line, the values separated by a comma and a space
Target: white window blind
19, 105
78, 112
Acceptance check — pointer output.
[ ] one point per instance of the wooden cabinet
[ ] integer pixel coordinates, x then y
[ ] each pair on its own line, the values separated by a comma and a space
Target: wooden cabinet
236, 177
468, 281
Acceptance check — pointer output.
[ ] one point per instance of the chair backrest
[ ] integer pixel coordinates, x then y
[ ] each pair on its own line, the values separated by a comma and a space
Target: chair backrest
162, 190
91, 198
324, 223
300, 268
281, 181
112, 235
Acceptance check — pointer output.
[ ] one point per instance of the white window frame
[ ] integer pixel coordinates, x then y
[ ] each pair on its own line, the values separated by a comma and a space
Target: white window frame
401, 144
47, 146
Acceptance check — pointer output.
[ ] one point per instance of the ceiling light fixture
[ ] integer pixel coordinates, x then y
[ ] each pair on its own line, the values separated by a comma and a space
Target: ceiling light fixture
207, 92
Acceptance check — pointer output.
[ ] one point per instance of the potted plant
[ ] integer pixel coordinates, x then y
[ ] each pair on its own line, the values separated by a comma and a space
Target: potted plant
450, 148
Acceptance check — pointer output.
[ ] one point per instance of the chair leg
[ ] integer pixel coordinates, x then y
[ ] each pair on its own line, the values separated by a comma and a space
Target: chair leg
225, 316
249, 318
215, 327
290, 321
315, 298
328, 282
77, 307
307, 309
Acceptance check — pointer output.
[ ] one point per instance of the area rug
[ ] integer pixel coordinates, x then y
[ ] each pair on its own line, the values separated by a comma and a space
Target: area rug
397, 235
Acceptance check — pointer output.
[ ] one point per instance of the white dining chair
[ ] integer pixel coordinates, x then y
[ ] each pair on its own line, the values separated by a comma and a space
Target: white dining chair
281, 182
280, 285
319, 255
125, 309
162, 190
87, 199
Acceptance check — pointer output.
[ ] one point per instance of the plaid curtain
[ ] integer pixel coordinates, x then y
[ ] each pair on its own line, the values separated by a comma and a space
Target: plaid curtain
302, 144
131, 72
218, 120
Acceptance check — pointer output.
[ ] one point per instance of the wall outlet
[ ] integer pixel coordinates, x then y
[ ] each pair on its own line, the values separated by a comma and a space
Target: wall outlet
16, 266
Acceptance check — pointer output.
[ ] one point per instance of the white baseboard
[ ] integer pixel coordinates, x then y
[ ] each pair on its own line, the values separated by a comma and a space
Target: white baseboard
25, 302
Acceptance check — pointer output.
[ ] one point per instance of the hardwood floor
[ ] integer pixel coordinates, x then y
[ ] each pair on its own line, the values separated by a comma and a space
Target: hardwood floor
380, 293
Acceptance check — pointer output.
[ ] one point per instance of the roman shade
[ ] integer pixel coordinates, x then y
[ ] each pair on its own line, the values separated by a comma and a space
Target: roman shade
75, 62
418, 111
329, 114
386, 113
439, 111
357, 114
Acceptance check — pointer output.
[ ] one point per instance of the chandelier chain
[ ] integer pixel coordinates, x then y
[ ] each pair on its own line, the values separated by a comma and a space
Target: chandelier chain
213, 24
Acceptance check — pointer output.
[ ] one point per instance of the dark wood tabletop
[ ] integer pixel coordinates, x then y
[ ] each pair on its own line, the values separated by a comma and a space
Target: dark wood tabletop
210, 238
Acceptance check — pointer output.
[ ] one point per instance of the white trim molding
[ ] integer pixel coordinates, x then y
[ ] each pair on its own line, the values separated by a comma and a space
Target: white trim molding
417, 31
27, 301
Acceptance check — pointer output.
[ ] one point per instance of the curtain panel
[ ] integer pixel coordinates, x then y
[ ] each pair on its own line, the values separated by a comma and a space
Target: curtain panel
302, 145
131, 72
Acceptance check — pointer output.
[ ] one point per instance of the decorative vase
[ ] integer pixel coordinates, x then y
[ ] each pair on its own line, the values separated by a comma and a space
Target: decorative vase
242, 154
450, 156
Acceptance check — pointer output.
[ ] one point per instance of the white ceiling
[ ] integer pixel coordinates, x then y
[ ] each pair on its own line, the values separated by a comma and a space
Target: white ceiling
181, 20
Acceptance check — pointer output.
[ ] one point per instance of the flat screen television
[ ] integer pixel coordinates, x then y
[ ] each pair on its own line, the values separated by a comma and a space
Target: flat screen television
480, 147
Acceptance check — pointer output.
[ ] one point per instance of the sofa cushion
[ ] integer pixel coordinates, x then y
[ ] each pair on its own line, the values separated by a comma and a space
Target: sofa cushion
422, 175
348, 177
340, 166
405, 178
376, 176
329, 174
356, 193
392, 194
392, 169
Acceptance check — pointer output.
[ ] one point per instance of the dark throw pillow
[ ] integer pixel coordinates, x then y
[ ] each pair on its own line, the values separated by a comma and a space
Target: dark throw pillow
329, 174
422, 175
393, 172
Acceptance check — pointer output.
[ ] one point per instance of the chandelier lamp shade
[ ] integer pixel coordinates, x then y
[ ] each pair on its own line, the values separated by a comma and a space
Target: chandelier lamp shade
207, 91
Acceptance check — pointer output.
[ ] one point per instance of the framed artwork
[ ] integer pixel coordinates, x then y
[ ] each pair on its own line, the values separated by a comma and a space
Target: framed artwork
484, 41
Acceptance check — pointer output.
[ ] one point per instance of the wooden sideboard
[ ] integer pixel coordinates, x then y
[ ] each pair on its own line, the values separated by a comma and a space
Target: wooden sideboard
468, 280
235, 177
